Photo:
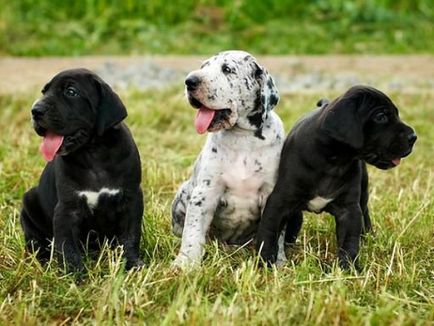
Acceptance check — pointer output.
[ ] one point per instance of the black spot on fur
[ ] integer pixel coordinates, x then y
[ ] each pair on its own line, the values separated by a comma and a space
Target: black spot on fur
258, 134
214, 150
256, 119
207, 182
247, 57
273, 99
246, 82
258, 72
198, 203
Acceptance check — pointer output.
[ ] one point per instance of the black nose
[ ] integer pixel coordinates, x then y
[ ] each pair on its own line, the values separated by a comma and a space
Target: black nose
192, 82
412, 138
37, 111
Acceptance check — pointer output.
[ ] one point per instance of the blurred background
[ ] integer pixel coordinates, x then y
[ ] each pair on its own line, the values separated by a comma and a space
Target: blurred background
58, 27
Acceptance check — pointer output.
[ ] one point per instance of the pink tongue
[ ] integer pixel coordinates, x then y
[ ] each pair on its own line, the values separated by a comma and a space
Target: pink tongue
50, 145
203, 119
396, 161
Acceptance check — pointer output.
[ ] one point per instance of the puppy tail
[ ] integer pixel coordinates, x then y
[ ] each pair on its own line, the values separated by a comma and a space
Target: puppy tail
323, 102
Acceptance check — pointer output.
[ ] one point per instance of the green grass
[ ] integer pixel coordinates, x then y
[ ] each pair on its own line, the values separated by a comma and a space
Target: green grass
58, 27
396, 286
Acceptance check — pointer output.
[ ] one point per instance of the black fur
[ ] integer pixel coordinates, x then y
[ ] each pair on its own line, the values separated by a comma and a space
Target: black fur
324, 155
98, 151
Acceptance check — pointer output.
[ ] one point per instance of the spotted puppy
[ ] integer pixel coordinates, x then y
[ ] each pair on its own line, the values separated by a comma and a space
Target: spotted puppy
236, 170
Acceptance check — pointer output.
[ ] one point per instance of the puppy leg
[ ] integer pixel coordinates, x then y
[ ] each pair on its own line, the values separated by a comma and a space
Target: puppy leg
131, 232
281, 256
348, 231
36, 233
66, 237
270, 226
179, 208
199, 215
364, 197
293, 226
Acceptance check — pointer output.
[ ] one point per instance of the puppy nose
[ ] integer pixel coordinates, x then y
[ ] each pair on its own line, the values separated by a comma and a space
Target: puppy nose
37, 111
192, 82
412, 138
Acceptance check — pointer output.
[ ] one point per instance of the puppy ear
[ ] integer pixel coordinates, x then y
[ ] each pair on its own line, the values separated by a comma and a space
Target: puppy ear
269, 95
340, 120
266, 98
110, 109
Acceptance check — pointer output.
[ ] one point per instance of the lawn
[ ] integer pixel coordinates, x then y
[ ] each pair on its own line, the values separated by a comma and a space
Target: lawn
396, 285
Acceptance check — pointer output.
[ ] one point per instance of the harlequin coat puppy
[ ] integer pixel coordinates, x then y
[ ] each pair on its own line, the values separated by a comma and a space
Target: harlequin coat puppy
90, 187
323, 168
236, 170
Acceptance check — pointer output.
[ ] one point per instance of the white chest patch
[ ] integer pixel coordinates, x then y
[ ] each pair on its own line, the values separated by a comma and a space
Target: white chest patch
318, 203
242, 179
93, 196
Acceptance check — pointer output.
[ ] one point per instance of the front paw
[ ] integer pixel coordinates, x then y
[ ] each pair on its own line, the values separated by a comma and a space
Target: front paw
74, 266
135, 263
346, 263
185, 262
268, 253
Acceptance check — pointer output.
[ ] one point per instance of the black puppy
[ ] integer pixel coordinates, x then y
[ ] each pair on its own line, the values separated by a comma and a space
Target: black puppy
90, 188
323, 168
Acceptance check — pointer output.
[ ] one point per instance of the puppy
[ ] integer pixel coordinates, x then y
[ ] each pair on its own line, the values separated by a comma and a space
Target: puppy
90, 188
236, 170
323, 168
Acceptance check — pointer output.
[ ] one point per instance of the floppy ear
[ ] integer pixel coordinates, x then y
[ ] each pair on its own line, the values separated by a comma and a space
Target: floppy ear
340, 120
110, 110
266, 97
269, 95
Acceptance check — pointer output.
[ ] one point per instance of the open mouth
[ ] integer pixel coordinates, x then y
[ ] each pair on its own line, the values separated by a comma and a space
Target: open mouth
208, 119
51, 142
385, 164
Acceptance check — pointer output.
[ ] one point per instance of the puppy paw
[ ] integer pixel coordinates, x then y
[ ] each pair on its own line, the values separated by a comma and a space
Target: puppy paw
348, 265
136, 264
184, 262
281, 262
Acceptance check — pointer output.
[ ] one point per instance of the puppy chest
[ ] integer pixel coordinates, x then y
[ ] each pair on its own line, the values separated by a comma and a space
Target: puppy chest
243, 176
236, 216
104, 198
318, 203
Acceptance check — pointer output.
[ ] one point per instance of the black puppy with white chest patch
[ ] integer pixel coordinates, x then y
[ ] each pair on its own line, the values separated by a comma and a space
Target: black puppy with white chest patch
323, 168
90, 188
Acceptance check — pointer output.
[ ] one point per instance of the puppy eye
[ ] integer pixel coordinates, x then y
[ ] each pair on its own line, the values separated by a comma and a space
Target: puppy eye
226, 69
71, 92
381, 118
